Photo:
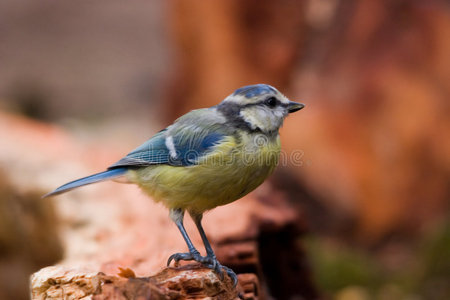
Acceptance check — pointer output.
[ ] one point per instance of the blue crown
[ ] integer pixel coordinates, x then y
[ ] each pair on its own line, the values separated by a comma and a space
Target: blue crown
250, 91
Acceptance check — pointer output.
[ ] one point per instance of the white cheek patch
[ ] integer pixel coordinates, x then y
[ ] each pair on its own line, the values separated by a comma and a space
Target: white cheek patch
171, 147
264, 119
279, 113
249, 118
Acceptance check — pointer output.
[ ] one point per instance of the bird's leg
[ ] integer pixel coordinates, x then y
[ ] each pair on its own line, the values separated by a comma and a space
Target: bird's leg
177, 216
212, 261
198, 222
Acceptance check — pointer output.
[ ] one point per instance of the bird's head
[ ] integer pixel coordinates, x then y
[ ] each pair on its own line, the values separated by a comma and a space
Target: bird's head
260, 106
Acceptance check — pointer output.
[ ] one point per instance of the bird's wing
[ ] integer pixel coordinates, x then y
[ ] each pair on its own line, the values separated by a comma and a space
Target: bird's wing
181, 144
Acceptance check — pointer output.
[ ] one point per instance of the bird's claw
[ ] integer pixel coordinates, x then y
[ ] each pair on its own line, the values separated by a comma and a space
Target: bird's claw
231, 274
207, 261
217, 267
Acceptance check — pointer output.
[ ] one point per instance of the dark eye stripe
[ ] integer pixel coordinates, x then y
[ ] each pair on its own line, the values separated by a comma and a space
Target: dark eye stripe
263, 102
239, 106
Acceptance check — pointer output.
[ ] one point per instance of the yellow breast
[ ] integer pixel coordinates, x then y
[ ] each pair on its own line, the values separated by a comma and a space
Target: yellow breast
234, 168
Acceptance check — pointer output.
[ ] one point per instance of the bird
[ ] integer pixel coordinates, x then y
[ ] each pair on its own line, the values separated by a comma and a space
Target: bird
207, 158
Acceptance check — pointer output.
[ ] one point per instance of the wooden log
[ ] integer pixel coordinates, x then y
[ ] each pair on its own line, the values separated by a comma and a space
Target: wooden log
188, 282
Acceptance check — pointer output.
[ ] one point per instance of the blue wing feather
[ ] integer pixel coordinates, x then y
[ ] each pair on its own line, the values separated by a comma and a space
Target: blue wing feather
154, 151
189, 147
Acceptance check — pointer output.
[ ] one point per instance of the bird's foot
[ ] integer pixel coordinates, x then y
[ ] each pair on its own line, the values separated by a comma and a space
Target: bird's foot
210, 262
194, 255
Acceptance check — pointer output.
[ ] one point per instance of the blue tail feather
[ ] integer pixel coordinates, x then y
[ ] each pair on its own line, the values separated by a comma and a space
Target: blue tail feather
102, 176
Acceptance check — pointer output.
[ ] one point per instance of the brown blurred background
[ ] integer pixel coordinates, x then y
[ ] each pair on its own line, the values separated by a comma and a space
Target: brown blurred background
374, 180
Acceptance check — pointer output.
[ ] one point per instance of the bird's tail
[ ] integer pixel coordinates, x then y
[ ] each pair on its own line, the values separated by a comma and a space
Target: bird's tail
102, 176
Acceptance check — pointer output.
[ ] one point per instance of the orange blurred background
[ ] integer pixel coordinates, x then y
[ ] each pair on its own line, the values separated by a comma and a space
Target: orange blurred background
374, 136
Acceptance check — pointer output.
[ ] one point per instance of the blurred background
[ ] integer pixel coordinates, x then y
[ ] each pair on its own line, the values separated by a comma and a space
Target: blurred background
84, 82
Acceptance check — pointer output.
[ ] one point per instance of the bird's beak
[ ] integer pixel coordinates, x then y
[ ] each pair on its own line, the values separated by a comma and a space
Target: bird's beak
294, 106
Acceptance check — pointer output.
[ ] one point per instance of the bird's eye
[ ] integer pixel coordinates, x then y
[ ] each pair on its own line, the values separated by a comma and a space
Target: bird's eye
271, 102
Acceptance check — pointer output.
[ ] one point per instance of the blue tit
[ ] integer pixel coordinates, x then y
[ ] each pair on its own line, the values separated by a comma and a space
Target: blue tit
206, 158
